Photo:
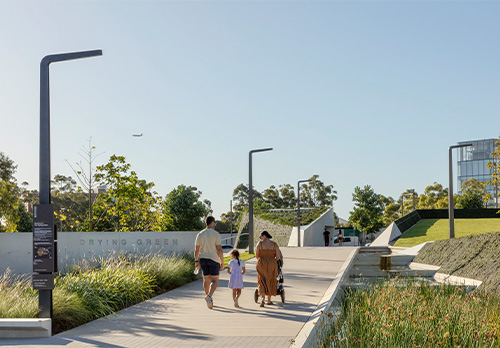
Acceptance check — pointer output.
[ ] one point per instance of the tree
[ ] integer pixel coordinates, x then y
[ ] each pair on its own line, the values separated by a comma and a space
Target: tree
86, 179
473, 195
70, 204
408, 201
25, 223
272, 197
9, 195
186, 211
434, 197
316, 194
287, 193
495, 165
240, 197
390, 208
128, 203
368, 212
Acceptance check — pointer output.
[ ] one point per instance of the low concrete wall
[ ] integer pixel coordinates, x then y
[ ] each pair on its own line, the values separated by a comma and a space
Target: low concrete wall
16, 249
312, 234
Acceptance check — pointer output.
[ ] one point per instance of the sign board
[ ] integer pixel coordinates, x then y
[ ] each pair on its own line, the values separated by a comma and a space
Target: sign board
43, 238
43, 281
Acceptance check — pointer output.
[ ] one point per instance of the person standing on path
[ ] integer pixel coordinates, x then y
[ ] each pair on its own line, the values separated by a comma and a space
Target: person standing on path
207, 253
340, 237
267, 254
236, 269
327, 237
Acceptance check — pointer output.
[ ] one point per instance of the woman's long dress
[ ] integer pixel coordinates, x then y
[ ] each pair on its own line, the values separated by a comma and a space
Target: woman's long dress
267, 272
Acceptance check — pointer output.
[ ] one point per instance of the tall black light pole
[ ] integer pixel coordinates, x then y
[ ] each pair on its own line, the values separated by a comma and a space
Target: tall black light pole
250, 199
451, 208
44, 249
298, 209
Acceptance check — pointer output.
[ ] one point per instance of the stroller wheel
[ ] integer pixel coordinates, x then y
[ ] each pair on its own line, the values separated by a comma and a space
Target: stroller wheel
282, 294
256, 296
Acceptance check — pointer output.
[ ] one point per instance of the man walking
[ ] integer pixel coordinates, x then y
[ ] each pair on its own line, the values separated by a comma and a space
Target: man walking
207, 253
326, 236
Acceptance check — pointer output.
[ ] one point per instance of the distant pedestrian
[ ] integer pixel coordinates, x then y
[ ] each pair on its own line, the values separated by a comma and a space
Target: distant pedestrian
327, 237
236, 269
207, 253
340, 237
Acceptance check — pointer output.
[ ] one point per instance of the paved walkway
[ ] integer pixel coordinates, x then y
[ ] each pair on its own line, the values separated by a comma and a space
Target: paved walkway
180, 318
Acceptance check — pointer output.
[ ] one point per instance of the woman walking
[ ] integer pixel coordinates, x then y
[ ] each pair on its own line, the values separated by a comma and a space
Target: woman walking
267, 254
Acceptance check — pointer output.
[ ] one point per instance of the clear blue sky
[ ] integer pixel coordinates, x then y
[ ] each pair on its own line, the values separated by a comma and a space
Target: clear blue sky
356, 92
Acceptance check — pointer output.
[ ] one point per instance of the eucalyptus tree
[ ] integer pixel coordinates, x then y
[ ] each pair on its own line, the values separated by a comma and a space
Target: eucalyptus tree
316, 194
434, 197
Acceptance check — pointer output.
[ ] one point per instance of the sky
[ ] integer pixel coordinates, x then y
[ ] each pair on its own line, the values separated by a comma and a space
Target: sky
357, 92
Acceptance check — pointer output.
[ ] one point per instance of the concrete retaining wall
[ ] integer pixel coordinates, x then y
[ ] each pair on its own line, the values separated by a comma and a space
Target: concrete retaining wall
16, 249
312, 234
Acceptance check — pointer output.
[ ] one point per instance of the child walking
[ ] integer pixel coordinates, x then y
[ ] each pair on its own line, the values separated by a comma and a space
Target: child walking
236, 269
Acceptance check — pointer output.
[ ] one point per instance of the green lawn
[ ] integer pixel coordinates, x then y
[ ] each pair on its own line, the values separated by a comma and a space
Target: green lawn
437, 229
243, 256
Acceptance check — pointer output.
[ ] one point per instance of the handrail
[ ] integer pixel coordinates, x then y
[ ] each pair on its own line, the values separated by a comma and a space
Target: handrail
235, 236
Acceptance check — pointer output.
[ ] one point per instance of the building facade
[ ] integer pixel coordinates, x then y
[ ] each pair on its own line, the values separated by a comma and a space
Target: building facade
472, 162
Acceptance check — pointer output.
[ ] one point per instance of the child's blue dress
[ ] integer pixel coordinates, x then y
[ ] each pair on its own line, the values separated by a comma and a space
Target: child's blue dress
236, 277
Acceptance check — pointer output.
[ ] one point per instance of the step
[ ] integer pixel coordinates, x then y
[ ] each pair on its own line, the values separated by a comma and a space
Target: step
374, 250
25, 327
413, 270
378, 260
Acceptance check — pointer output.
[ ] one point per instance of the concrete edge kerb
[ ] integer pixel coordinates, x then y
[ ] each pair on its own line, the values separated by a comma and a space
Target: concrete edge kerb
307, 334
454, 280
25, 327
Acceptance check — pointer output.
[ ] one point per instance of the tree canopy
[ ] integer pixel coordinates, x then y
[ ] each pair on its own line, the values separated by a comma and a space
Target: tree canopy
129, 204
367, 215
434, 197
185, 209
9, 195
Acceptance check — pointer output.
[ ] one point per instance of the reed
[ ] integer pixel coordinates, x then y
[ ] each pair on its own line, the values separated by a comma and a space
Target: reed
413, 314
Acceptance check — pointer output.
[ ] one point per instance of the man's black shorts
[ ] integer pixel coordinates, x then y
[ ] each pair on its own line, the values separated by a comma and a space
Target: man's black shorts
209, 267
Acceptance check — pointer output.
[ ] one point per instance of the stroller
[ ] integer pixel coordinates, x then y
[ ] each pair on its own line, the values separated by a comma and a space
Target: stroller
280, 281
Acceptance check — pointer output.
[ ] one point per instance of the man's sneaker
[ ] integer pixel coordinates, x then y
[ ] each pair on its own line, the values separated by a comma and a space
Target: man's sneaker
210, 302
236, 303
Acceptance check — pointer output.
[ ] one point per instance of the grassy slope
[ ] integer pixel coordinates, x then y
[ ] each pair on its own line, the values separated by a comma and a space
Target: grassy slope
476, 257
438, 229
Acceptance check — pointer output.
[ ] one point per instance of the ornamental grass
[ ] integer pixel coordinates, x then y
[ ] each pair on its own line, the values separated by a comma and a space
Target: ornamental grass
95, 289
415, 314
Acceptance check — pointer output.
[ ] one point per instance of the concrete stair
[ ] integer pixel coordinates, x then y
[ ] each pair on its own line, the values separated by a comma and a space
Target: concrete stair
381, 262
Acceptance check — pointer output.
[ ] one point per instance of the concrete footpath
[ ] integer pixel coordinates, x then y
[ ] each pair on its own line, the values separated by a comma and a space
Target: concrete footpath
180, 318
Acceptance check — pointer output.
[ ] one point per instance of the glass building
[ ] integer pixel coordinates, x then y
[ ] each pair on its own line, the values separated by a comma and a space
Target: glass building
472, 161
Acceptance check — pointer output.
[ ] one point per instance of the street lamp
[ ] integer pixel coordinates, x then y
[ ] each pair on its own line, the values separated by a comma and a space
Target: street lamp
298, 208
250, 198
451, 208
46, 236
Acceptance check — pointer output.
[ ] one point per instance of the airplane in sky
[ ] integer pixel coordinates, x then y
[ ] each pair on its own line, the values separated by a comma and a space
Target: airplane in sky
137, 135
